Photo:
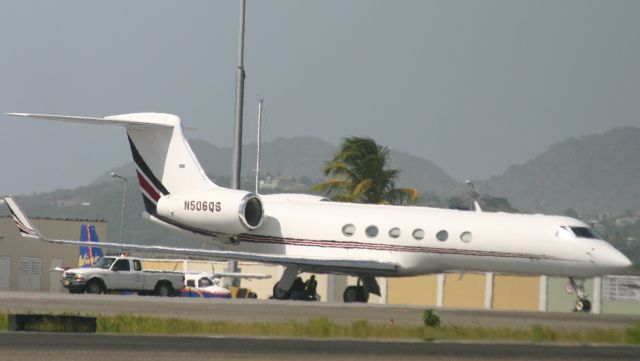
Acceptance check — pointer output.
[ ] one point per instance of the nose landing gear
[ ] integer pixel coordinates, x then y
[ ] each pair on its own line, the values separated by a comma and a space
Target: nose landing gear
582, 304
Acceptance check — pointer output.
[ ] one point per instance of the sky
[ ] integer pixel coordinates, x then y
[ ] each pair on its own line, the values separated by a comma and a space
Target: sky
474, 86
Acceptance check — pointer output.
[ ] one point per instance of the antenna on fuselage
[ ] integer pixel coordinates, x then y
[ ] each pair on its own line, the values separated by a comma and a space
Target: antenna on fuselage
260, 100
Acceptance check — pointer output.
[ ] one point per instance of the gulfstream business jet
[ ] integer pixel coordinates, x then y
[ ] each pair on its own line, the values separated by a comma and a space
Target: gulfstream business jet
309, 233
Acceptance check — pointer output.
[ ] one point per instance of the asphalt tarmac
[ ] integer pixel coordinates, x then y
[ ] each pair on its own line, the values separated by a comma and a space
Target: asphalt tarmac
282, 311
81, 347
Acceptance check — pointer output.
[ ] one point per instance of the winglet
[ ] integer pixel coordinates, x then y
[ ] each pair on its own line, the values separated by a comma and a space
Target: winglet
26, 228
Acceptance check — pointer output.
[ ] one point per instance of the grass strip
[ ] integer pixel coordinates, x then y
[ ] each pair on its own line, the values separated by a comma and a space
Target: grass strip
4, 321
325, 328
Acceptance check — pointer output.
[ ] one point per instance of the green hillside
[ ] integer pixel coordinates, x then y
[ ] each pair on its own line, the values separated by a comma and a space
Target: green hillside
593, 174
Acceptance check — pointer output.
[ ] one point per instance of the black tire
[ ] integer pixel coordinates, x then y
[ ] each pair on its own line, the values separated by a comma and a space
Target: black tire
278, 294
164, 289
363, 295
95, 287
350, 294
355, 294
583, 306
252, 295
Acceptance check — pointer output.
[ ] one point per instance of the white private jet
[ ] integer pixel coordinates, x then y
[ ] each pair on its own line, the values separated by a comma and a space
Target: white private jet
309, 233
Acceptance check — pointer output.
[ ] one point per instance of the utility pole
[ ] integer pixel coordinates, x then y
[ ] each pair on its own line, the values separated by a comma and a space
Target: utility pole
124, 201
237, 143
232, 266
260, 100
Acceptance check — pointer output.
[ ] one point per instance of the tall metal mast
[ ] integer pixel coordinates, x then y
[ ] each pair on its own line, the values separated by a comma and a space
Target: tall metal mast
260, 100
236, 165
237, 144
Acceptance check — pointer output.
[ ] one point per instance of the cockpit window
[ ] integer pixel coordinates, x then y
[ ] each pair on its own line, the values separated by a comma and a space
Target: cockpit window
585, 232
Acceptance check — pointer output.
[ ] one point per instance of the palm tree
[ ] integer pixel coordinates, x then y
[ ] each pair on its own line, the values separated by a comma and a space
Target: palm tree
360, 175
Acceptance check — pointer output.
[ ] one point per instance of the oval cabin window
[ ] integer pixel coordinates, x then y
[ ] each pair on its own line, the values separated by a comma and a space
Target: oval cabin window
371, 231
466, 237
418, 234
348, 230
442, 235
394, 232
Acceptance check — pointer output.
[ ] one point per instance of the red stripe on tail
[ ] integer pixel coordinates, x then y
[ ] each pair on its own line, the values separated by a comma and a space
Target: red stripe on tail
147, 187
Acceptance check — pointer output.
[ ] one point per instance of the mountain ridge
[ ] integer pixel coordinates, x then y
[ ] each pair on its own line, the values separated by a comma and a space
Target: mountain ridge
591, 174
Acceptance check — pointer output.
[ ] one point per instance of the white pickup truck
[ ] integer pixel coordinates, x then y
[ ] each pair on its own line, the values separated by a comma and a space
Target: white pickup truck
121, 274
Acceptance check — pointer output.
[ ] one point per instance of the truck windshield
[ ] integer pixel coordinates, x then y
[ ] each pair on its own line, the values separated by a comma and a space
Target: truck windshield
204, 282
104, 262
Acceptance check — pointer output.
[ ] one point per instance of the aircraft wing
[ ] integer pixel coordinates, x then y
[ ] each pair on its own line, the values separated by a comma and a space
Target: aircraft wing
346, 266
244, 275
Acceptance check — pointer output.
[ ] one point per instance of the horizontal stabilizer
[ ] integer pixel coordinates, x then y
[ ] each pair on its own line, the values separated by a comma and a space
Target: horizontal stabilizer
113, 120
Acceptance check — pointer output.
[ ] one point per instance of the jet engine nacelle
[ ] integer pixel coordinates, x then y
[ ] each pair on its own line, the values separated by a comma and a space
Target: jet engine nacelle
219, 210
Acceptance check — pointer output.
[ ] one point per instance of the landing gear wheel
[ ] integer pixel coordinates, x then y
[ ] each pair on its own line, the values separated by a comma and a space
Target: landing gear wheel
350, 294
583, 306
280, 294
355, 294
94, 287
363, 295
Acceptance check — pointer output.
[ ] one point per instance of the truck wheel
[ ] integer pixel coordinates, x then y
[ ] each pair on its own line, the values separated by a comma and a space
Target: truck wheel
164, 289
95, 287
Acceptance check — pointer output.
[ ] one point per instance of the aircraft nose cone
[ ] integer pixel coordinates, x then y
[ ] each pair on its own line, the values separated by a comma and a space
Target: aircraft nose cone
614, 260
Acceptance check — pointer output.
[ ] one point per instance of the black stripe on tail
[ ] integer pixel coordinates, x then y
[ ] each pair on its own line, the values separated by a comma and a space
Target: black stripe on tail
149, 204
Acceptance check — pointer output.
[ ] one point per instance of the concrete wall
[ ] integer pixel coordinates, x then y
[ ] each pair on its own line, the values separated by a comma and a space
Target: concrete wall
512, 292
418, 291
25, 264
465, 292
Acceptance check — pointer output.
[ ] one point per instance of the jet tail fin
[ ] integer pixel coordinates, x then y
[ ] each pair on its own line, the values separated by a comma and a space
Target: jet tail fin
25, 226
89, 255
164, 160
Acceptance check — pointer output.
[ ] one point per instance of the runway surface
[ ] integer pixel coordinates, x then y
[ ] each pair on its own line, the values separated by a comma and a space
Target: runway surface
82, 347
281, 311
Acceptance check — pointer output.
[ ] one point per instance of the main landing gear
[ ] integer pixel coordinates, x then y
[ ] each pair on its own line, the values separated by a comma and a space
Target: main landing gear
291, 287
582, 304
355, 294
360, 292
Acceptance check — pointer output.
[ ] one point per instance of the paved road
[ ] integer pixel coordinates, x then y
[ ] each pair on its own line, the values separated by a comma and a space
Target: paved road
279, 311
82, 347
